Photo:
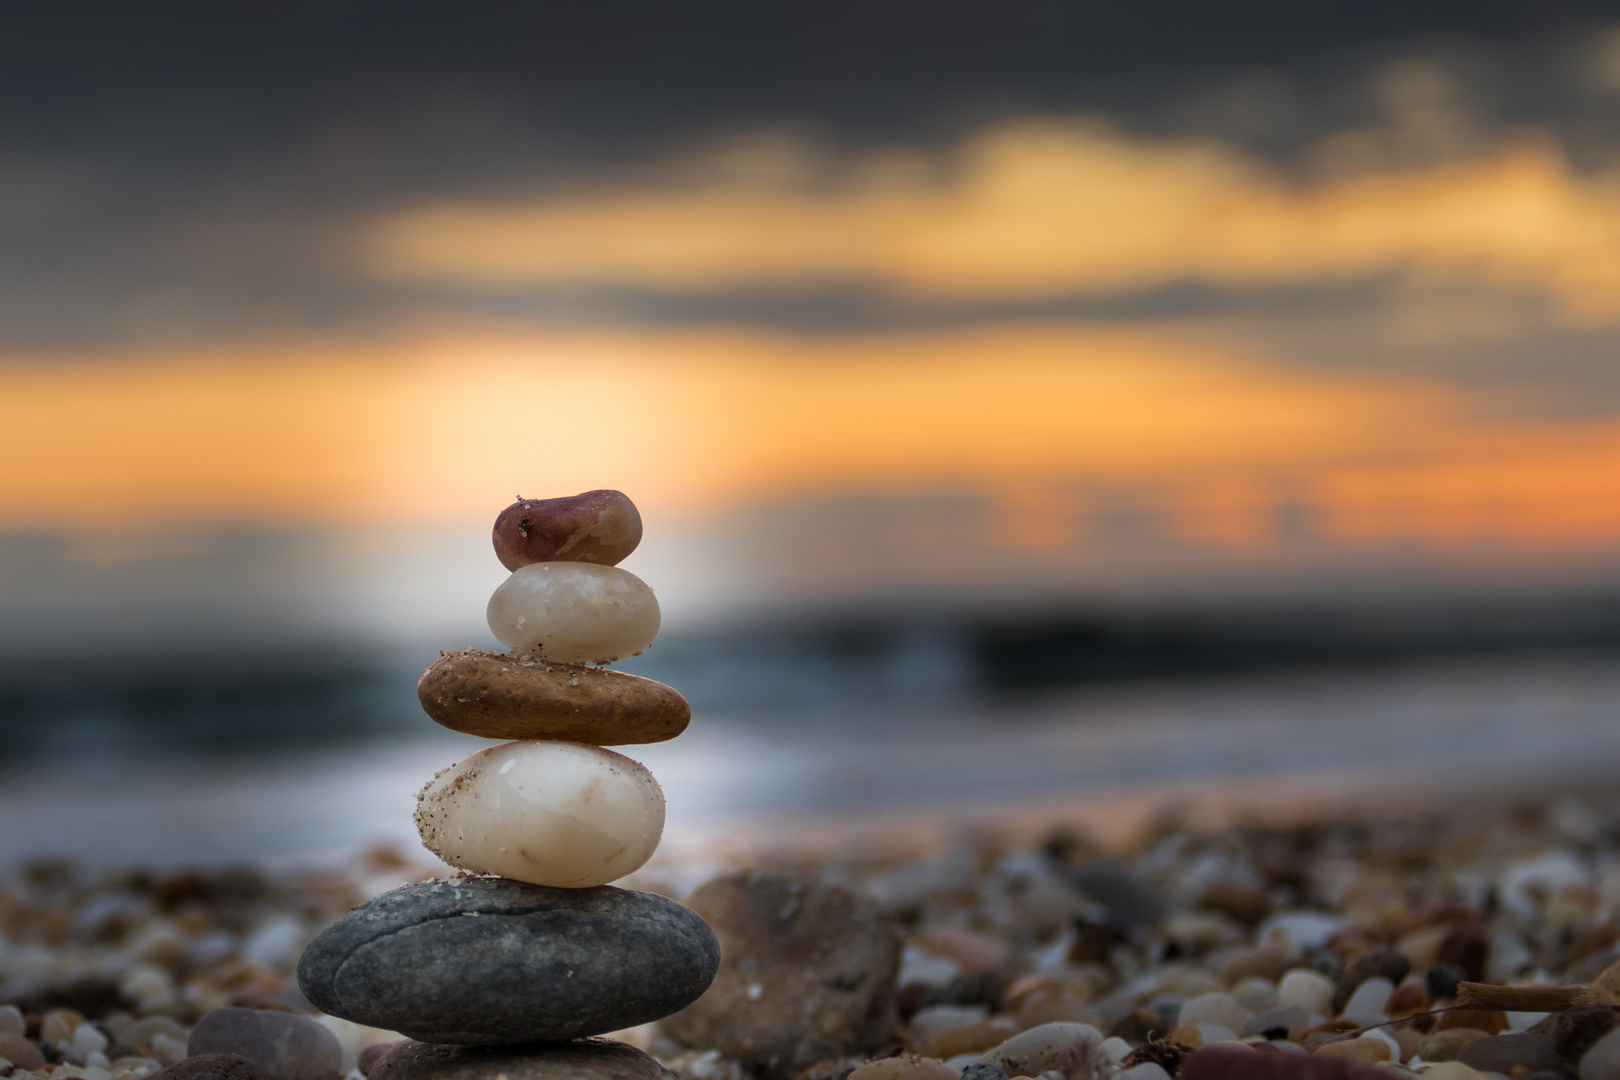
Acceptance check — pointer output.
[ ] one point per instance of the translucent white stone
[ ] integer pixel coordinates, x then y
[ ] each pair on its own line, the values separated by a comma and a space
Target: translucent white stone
549, 813
574, 612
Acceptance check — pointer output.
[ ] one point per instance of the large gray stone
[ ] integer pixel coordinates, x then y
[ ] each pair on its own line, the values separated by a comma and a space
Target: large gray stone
288, 1046
587, 1059
488, 961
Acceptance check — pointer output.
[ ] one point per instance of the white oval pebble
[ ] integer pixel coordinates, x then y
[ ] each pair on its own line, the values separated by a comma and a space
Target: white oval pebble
1219, 1009
549, 813
574, 612
1366, 1005
1310, 990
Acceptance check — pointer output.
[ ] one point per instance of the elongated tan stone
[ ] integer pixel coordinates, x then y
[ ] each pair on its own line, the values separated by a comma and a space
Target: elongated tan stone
514, 696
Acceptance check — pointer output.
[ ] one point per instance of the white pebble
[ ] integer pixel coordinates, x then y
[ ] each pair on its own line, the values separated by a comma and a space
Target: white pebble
1146, 1071
87, 1040
11, 1020
1310, 990
1219, 1009
1366, 1005
549, 813
574, 612
148, 986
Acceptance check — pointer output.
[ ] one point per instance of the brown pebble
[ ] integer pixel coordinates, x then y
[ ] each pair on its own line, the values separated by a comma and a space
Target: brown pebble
601, 526
1363, 1051
375, 1053
515, 696
20, 1052
1239, 1063
213, 1067
1407, 999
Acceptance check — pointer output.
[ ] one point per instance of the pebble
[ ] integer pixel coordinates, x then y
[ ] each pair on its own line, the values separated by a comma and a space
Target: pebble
1288, 1018
594, 527
215, 1067
1381, 963
11, 1021
546, 813
507, 696
1237, 1063
1451, 1070
1072, 1048
1504, 1053
290, 1047
1446, 1045
1220, 1009
586, 1059
904, 1067
1366, 1005
1364, 1050
1602, 1060
485, 961
574, 613
808, 973
20, 1052
1132, 904
1310, 990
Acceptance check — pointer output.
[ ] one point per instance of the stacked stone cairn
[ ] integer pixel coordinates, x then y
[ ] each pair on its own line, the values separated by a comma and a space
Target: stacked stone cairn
512, 967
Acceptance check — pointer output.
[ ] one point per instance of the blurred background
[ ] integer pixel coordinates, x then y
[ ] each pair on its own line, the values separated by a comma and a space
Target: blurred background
1028, 403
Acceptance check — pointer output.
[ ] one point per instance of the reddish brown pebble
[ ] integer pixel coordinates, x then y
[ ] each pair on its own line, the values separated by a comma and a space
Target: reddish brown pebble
375, 1053
214, 1067
1234, 1063
508, 696
593, 526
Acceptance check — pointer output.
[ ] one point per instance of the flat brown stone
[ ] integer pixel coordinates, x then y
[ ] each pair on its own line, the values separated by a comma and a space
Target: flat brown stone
515, 696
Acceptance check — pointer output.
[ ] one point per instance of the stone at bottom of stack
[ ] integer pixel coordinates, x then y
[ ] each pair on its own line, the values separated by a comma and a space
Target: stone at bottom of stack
586, 1059
491, 962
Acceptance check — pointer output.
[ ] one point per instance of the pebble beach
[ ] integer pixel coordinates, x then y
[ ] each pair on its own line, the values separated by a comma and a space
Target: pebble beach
1278, 935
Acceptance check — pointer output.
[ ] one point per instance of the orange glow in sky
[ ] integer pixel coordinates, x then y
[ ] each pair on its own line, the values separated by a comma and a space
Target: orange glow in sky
696, 423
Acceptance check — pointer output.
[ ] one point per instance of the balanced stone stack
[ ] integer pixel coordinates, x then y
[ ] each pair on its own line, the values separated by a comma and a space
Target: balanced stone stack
530, 945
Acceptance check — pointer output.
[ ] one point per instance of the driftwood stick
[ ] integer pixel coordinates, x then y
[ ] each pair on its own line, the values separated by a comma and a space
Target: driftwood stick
1548, 999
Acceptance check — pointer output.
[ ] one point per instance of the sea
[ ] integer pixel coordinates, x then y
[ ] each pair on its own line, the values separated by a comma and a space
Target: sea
313, 755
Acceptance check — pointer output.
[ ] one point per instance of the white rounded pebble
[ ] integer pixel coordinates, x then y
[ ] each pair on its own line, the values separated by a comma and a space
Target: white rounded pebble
549, 813
87, 1040
1302, 929
1310, 990
574, 612
1221, 1009
1215, 1033
926, 1023
1047, 1046
1366, 1005
11, 1020
1255, 994
1115, 1048
1602, 1061
1148, 1070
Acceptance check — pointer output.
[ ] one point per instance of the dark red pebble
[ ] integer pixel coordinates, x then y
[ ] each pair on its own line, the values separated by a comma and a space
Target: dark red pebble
1232, 1063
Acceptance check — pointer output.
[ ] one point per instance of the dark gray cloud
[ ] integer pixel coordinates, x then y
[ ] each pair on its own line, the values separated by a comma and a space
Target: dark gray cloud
183, 171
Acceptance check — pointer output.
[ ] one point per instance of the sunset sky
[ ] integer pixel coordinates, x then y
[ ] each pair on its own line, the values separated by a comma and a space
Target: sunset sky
1333, 308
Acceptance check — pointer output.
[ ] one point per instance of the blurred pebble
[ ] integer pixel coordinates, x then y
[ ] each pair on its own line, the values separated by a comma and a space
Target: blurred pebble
11, 1020
1049, 1046
1506, 1053
904, 1067
1446, 1045
1366, 1005
290, 1047
1290, 1019
1602, 1060
1310, 990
